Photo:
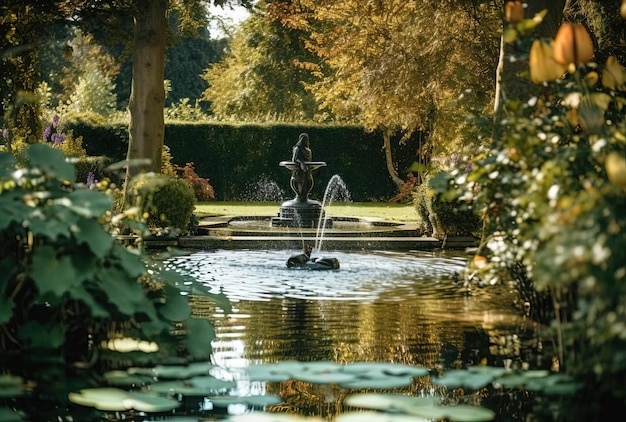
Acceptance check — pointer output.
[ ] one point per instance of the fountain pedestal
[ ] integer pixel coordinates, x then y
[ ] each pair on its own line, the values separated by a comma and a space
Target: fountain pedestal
301, 211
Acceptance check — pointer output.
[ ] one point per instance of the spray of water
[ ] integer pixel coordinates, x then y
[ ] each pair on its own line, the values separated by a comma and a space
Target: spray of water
335, 189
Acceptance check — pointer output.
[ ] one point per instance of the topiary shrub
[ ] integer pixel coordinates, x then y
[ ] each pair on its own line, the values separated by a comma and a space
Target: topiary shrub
167, 201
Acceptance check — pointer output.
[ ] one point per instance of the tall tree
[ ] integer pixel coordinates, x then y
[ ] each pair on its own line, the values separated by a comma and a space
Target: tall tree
262, 76
402, 66
147, 95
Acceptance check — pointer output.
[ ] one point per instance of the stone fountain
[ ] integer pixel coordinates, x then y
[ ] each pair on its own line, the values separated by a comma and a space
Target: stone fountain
301, 211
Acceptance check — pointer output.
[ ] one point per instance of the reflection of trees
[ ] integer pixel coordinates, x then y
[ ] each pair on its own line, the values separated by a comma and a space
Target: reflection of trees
413, 327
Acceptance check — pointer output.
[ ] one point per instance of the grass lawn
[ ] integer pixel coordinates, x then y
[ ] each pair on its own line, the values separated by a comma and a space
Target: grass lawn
383, 210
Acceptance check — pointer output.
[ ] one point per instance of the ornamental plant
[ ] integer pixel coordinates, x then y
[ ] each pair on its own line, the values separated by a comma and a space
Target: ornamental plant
67, 286
551, 189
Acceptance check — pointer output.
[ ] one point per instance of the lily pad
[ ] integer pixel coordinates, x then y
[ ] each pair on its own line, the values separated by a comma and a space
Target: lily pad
123, 378
387, 382
325, 378
385, 368
115, 399
269, 372
272, 417
255, 401
459, 413
462, 378
10, 415
388, 402
376, 417
211, 383
146, 402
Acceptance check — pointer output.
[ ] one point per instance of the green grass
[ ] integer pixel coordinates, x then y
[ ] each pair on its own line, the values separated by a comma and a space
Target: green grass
383, 210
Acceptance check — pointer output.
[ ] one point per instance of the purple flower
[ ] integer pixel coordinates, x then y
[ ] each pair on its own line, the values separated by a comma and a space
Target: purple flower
55, 121
91, 180
46, 133
469, 167
5, 133
453, 159
58, 138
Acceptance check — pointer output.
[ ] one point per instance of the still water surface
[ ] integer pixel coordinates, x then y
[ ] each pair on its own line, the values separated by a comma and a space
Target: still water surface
379, 306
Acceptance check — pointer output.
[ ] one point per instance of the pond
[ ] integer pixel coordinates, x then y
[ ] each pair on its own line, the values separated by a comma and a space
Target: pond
400, 307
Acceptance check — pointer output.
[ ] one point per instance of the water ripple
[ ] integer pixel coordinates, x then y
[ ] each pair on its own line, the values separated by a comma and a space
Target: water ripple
262, 274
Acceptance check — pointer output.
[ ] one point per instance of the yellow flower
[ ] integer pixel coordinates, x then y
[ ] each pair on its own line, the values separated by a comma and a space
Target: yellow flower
514, 11
573, 44
543, 67
615, 165
613, 74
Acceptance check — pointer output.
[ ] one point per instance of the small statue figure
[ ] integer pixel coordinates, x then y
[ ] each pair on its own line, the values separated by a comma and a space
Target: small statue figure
301, 178
304, 260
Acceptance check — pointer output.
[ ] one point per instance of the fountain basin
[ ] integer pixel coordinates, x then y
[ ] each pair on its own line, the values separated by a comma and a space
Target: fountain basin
346, 234
293, 166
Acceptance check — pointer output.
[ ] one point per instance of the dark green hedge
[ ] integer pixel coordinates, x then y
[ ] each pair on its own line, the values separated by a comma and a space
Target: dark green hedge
235, 157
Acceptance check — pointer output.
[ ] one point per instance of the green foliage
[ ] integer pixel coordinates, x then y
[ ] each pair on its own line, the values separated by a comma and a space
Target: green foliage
168, 201
66, 285
235, 157
441, 216
551, 188
262, 77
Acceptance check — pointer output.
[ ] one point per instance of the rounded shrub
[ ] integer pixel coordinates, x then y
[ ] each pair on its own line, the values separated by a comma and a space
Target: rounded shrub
168, 202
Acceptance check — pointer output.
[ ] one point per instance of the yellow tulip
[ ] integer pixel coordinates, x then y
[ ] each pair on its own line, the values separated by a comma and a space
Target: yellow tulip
573, 44
613, 74
543, 67
615, 165
622, 9
514, 11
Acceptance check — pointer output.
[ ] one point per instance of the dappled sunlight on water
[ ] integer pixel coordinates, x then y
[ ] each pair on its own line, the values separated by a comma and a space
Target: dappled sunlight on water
379, 306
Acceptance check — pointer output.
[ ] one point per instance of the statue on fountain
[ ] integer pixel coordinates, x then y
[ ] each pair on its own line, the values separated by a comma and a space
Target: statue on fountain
301, 211
301, 176
305, 261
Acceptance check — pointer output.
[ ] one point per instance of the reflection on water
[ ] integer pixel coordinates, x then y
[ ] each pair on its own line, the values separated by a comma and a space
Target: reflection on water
379, 306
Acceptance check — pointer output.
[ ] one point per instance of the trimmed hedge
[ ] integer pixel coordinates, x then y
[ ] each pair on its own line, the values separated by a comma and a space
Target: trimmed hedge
235, 157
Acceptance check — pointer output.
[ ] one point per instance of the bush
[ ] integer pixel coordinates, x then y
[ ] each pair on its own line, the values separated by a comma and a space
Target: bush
441, 217
168, 202
201, 187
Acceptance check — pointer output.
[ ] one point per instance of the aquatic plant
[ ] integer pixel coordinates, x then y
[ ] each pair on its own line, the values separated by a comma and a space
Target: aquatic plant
67, 286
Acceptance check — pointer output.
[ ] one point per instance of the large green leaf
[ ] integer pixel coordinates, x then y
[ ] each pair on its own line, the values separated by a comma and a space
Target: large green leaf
51, 224
42, 336
50, 161
89, 203
176, 307
53, 274
124, 292
129, 260
200, 334
97, 310
91, 233
7, 162
12, 209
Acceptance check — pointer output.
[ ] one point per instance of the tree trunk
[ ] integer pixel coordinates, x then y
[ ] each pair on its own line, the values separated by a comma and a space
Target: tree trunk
389, 159
147, 97
508, 82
